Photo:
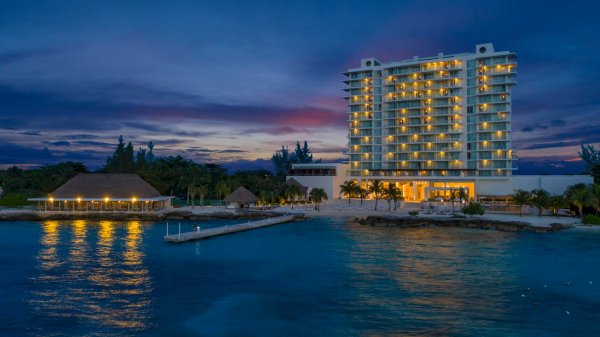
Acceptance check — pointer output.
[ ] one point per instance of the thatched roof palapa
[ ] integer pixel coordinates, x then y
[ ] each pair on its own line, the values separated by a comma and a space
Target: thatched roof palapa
113, 185
292, 181
241, 196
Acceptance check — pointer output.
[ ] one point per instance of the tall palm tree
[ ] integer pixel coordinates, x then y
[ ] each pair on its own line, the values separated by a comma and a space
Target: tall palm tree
453, 195
222, 189
580, 196
521, 198
557, 202
291, 193
391, 193
375, 187
398, 197
462, 194
318, 195
202, 191
362, 193
540, 199
595, 191
348, 188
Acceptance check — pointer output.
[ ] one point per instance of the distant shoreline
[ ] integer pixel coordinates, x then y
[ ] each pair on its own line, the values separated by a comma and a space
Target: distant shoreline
366, 216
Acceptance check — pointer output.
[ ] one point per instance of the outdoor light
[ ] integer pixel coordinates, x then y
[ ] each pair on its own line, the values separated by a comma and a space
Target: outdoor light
133, 199
106, 199
51, 199
78, 199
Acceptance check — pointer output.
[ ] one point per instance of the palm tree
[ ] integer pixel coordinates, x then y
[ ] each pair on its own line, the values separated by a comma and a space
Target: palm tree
348, 188
376, 188
580, 196
191, 194
453, 196
540, 199
557, 202
391, 193
461, 194
318, 195
202, 191
222, 189
262, 197
291, 192
398, 197
595, 191
521, 198
362, 193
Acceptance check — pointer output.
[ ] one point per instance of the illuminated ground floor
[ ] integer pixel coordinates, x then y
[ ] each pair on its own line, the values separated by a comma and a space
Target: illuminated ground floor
419, 190
101, 204
493, 190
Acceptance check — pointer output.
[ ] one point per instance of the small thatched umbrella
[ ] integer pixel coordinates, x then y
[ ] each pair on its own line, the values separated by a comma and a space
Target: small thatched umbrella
241, 196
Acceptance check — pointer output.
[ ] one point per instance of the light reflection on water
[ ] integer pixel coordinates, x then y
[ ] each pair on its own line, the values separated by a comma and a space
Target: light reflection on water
419, 279
321, 277
100, 277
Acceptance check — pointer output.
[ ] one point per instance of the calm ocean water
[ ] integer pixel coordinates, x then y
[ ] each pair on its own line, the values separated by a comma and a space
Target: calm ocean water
321, 277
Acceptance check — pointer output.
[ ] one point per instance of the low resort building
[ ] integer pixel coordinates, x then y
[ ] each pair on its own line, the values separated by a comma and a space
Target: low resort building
240, 198
104, 192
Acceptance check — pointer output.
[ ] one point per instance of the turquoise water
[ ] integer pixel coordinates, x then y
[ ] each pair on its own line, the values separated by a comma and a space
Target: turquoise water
322, 277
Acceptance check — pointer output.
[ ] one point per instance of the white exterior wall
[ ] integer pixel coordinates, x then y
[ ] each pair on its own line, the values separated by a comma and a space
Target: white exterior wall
331, 184
554, 184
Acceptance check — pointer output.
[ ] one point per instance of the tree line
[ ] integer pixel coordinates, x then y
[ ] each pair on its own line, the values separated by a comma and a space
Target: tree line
172, 175
581, 196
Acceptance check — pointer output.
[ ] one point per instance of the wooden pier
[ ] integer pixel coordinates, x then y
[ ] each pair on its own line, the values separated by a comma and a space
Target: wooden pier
208, 233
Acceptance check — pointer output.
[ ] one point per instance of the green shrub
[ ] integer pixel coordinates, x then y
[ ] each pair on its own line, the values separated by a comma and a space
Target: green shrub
14, 200
473, 208
414, 212
591, 219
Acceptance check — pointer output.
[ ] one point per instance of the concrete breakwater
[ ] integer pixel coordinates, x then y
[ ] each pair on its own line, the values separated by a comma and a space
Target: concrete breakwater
173, 214
482, 223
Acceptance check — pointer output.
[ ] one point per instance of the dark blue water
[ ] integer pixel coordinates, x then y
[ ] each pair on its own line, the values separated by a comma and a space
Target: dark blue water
321, 277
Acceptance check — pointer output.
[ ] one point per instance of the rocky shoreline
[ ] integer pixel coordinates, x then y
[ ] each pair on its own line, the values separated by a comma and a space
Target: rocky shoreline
135, 216
481, 223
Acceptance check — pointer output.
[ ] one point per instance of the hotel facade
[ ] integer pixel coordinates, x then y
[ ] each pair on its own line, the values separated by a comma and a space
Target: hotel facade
432, 125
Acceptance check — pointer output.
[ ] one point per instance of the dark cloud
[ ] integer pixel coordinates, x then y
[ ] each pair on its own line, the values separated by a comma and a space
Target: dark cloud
544, 126
13, 154
31, 133
81, 136
57, 143
580, 135
550, 166
94, 143
165, 129
232, 151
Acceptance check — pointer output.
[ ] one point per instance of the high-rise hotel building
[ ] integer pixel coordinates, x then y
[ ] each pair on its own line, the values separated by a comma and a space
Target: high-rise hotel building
432, 126
443, 116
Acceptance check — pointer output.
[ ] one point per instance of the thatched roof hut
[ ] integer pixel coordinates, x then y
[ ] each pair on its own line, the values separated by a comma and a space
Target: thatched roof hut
241, 196
102, 185
104, 192
292, 181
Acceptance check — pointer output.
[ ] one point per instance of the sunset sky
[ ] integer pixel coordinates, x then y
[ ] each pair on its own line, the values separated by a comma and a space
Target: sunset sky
231, 81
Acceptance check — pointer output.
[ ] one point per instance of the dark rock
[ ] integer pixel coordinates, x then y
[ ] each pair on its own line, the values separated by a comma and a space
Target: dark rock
414, 222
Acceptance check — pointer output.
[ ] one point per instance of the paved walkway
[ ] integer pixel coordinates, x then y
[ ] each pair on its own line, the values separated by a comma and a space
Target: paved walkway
208, 233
